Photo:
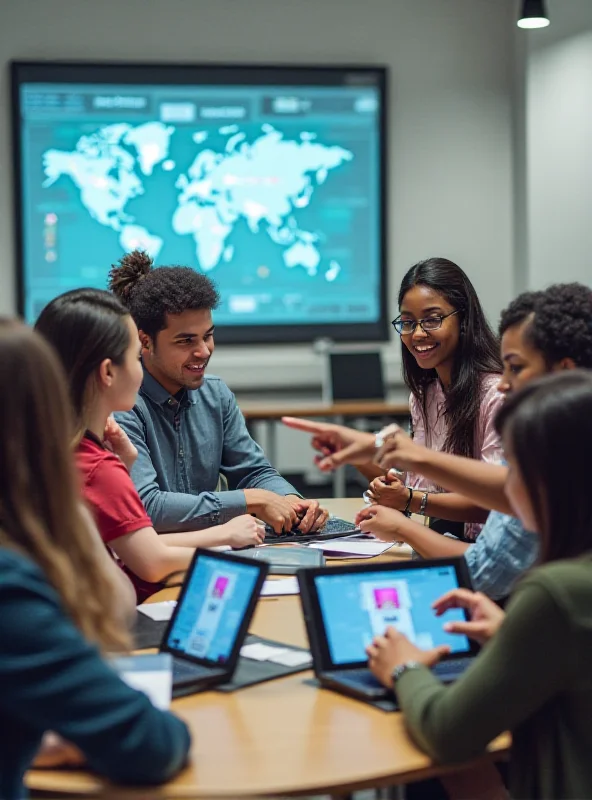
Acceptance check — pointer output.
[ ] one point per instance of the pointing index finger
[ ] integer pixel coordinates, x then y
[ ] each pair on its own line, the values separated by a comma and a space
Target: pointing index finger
306, 425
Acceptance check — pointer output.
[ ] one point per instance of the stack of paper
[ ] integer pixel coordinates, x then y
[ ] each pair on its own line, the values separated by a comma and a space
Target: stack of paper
348, 548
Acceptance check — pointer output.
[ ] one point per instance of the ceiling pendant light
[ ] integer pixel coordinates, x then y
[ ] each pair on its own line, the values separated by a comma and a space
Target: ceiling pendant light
534, 14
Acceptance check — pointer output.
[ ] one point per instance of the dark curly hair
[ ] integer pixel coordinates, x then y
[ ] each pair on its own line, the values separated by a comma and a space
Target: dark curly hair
560, 325
150, 293
477, 352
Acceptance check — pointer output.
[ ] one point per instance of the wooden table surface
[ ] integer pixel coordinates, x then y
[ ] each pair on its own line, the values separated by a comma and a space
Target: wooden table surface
283, 737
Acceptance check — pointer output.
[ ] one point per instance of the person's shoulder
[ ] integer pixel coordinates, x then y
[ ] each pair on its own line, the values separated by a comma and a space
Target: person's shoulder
214, 386
568, 581
93, 461
489, 384
214, 383
17, 569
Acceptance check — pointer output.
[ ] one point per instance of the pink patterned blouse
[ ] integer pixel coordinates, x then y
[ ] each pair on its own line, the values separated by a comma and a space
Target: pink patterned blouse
487, 447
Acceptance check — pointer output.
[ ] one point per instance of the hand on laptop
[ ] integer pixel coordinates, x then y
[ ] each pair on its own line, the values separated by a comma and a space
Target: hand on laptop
243, 531
486, 616
388, 490
311, 515
336, 444
393, 649
272, 508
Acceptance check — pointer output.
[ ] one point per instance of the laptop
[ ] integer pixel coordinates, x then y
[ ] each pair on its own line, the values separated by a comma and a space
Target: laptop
346, 607
211, 619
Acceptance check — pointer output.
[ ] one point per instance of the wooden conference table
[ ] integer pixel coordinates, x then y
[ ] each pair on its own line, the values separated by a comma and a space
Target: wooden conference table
284, 737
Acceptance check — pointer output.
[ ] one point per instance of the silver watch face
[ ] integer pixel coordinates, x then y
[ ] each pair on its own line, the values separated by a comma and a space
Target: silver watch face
402, 668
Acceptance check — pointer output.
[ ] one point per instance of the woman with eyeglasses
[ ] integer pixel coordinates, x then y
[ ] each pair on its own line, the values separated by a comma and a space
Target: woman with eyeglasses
452, 367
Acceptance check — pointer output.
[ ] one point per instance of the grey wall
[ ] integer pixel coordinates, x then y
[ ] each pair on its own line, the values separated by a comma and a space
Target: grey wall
452, 73
558, 145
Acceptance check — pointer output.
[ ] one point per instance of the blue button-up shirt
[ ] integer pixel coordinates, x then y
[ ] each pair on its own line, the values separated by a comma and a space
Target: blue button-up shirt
184, 445
502, 554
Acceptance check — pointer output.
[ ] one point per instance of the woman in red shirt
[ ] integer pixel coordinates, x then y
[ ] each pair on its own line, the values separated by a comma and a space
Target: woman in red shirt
98, 343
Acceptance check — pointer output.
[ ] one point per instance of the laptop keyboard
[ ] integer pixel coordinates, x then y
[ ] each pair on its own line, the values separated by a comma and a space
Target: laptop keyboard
361, 676
333, 529
187, 671
449, 670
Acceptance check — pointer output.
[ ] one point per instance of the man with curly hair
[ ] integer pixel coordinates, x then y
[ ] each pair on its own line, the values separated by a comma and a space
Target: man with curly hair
186, 425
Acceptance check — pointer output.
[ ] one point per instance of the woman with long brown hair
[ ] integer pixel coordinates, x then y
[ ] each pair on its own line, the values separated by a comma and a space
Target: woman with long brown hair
58, 599
97, 342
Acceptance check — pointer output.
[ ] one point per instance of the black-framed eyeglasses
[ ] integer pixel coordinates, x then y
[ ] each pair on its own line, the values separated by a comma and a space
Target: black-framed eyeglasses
407, 326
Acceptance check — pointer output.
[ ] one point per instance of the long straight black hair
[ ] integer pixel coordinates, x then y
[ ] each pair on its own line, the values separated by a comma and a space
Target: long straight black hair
547, 427
477, 353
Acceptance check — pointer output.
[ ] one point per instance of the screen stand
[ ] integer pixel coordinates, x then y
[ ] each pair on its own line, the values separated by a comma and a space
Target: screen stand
322, 347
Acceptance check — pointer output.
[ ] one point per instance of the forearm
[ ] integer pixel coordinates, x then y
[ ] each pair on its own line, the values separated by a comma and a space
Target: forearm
480, 482
450, 506
209, 537
428, 543
149, 557
262, 476
527, 662
175, 511
370, 470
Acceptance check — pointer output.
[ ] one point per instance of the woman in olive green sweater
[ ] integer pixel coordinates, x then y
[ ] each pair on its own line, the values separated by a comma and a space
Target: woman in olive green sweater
534, 674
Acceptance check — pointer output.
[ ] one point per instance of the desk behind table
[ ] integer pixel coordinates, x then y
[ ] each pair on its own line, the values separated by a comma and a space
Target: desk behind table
271, 413
284, 737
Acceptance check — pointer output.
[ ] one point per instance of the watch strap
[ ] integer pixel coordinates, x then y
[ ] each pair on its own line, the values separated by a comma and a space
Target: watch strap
401, 669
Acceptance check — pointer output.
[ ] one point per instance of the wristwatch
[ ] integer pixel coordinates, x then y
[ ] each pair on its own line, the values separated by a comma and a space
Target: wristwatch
402, 668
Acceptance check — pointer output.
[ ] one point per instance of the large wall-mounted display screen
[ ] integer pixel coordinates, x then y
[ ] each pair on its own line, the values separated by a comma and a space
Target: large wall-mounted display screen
269, 180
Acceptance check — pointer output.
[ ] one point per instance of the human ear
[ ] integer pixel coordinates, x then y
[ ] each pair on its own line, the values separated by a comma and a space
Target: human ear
146, 342
565, 363
106, 373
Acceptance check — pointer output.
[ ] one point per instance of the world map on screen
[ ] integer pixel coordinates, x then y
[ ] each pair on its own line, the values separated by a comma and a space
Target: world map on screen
263, 178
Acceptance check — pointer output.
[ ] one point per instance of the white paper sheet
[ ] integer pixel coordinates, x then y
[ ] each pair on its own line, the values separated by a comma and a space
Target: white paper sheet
279, 587
360, 549
261, 652
159, 612
151, 673
291, 658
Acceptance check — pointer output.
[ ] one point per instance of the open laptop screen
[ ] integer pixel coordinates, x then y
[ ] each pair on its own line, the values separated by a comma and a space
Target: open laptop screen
212, 608
356, 606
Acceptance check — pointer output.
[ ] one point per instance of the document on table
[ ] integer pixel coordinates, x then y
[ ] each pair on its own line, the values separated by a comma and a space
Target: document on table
347, 548
279, 655
151, 673
159, 612
279, 587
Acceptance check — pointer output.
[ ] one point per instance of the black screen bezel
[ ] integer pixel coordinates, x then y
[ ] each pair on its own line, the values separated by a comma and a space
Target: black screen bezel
314, 617
230, 664
217, 74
